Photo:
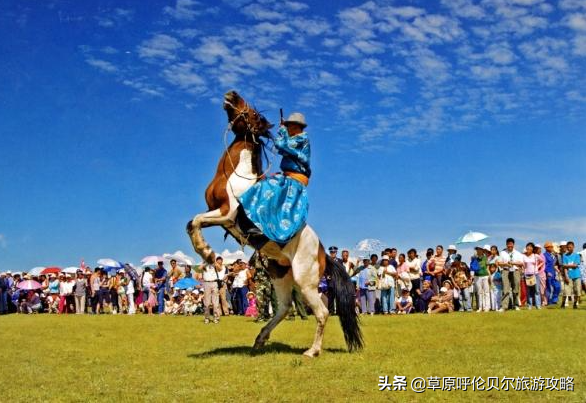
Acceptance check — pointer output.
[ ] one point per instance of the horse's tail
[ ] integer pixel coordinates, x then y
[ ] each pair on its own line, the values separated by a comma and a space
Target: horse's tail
345, 297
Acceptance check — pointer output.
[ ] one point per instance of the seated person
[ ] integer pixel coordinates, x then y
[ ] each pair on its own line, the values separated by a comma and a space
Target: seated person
404, 303
32, 303
444, 302
425, 296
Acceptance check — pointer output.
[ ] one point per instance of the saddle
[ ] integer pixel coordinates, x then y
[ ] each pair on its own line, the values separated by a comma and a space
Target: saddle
253, 234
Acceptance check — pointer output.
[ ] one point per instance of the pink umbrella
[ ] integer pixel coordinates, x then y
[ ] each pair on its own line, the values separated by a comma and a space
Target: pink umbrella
29, 285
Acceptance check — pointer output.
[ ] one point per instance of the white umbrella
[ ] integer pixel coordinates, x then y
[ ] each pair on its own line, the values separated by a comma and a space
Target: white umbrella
36, 271
472, 237
151, 260
70, 270
109, 263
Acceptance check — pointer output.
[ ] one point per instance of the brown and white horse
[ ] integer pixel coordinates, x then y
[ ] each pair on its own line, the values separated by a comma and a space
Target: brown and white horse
302, 261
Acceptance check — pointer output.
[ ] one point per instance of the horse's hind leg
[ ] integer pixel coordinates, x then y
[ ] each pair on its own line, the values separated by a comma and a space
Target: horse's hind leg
321, 313
194, 227
283, 289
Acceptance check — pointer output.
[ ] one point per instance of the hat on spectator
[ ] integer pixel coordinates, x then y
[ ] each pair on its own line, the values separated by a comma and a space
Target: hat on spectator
384, 257
8, 272
486, 248
538, 246
443, 289
2, 274
564, 243
297, 118
333, 249
452, 247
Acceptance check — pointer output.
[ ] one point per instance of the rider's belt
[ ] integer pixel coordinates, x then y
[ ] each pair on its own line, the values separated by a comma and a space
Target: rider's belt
298, 177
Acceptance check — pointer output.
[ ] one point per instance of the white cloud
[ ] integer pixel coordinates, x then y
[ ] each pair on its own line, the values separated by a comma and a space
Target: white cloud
572, 4
579, 45
159, 46
183, 10
577, 22
102, 65
183, 75
144, 88
295, 6
258, 12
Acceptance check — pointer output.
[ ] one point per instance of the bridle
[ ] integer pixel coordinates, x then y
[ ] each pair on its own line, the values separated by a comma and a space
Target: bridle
253, 130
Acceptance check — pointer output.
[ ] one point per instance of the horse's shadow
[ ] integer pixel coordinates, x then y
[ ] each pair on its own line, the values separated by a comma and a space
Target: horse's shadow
270, 348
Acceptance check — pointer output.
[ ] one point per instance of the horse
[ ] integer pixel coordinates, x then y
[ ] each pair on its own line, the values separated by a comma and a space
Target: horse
301, 261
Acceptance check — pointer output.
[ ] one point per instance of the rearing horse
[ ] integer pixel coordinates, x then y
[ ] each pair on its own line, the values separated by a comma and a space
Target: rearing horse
302, 261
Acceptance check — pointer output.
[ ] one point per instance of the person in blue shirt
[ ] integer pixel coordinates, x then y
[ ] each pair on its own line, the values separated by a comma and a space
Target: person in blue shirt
161, 282
3, 294
552, 284
571, 269
278, 205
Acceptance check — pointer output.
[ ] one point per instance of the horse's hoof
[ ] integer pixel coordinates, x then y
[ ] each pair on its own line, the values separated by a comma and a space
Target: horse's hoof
259, 343
311, 353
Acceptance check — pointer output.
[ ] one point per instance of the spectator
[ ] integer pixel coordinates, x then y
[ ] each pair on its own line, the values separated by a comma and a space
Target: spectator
251, 309
367, 284
552, 284
160, 286
3, 294
403, 279
80, 289
239, 287
510, 262
211, 289
145, 282
481, 279
439, 262
541, 278
530, 274
444, 302
414, 266
404, 304
496, 285
32, 303
572, 276
462, 281
425, 295
104, 293
130, 290
387, 275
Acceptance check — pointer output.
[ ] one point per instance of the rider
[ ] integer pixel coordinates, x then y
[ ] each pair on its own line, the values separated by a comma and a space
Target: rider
277, 205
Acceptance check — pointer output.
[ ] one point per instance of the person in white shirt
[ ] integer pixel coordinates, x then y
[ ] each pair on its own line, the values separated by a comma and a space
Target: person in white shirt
387, 274
511, 262
211, 287
129, 287
147, 279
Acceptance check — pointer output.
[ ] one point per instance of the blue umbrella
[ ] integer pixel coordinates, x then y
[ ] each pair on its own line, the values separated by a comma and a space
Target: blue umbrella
186, 283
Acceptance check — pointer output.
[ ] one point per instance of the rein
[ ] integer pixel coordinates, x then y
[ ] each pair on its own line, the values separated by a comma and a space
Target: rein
243, 114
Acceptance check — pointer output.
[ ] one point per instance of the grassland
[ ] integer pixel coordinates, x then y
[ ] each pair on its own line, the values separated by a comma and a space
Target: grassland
142, 358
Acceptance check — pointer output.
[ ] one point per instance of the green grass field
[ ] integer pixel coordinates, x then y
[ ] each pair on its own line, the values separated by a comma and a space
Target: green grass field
141, 358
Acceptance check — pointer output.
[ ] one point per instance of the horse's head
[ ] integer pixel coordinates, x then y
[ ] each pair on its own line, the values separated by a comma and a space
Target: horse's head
246, 121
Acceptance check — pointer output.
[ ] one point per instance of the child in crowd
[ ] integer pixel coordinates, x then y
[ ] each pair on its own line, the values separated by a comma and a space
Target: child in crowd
152, 300
404, 304
496, 287
251, 311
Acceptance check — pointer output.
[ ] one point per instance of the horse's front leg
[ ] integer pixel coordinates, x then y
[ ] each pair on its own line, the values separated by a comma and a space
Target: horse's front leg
209, 219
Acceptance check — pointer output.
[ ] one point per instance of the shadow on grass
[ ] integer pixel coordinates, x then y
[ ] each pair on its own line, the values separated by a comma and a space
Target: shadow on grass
270, 348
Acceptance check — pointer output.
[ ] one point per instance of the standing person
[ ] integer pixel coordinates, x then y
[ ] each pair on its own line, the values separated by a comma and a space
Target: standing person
481, 279
387, 274
239, 287
211, 287
3, 294
552, 284
428, 266
510, 262
452, 256
572, 278
145, 283
80, 290
66, 300
403, 277
104, 293
583, 268
114, 284
130, 290
530, 274
367, 285
496, 285
95, 290
264, 287
223, 291
463, 280
414, 265
348, 265
439, 262
160, 285
188, 273
541, 278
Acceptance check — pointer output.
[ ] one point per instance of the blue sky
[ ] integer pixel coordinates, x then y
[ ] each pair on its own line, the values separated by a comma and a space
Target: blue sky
427, 119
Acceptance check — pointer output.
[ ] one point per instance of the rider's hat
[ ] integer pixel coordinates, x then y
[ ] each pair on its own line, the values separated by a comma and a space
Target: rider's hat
297, 118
